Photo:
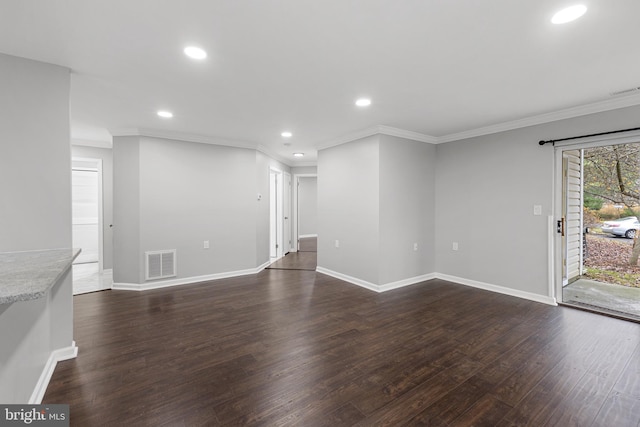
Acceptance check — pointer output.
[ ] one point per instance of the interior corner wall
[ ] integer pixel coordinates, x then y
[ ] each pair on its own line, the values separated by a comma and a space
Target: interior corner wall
35, 176
35, 214
307, 206
348, 209
127, 258
106, 155
191, 193
486, 188
407, 209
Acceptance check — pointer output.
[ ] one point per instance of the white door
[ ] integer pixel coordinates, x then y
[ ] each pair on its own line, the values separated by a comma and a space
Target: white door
571, 215
287, 213
85, 215
276, 221
273, 214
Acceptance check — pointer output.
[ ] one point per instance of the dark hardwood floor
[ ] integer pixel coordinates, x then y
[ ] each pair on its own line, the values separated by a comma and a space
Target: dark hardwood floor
298, 348
305, 259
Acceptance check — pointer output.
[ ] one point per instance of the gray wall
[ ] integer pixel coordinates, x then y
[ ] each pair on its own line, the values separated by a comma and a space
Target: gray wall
308, 206
485, 191
348, 208
35, 177
407, 208
307, 170
106, 155
175, 195
35, 213
126, 210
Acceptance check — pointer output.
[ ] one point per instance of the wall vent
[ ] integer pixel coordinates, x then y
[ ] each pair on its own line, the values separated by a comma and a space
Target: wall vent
160, 264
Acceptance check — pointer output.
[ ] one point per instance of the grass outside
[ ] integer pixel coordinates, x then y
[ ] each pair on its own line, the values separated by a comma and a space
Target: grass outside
608, 261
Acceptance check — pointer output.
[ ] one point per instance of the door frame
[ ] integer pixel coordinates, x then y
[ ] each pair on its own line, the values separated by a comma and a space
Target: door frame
98, 169
287, 223
276, 220
296, 180
555, 239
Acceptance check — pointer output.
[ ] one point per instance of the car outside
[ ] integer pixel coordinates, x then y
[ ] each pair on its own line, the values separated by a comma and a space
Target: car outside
626, 227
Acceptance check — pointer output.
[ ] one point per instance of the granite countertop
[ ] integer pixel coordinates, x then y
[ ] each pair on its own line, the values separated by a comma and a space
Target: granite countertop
29, 275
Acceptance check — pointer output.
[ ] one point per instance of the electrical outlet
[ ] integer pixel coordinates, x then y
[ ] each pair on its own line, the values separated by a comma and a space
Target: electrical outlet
454, 246
415, 246
337, 243
206, 244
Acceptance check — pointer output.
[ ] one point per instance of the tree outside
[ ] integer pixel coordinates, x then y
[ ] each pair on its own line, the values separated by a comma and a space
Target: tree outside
611, 191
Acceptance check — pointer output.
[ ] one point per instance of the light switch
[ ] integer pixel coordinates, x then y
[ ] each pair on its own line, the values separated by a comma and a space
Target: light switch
537, 209
206, 244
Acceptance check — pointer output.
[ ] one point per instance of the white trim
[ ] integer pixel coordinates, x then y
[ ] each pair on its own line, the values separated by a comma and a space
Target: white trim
56, 356
91, 143
407, 282
187, 280
373, 287
378, 130
99, 171
551, 234
423, 278
202, 139
567, 113
350, 279
407, 134
499, 289
296, 183
353, 136
302, 236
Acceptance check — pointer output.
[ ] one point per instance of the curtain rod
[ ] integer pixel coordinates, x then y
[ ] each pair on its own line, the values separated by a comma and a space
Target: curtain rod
553, 141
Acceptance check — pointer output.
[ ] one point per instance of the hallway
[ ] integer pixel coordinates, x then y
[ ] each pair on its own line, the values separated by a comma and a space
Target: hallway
305, 259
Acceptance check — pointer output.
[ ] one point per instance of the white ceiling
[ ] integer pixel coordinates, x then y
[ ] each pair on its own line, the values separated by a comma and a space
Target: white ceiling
441, 68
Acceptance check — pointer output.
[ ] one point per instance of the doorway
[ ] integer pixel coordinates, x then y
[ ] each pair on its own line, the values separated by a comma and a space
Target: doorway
597, 190
87, 225
305, 196
276, 216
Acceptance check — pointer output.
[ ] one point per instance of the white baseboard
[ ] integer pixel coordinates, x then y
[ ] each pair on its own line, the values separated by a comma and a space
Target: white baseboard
350, 279
187, 280
459, 280
407, 282
374, 287
302, 236
499, 289
43, 382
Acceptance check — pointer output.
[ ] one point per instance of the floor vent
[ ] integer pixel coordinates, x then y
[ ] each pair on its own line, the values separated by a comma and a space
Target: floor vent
160, 264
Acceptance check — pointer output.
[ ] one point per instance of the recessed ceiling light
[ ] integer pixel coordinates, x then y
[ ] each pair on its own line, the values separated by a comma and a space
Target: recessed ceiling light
286, 134
195, 52
298, 154
363, 102
165, 114
569, 14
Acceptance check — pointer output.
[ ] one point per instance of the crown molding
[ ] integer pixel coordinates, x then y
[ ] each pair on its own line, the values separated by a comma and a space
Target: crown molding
202, 139
378, 130
407, 134
91, 143
352, 136
182, 136
567, 113
266, 151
